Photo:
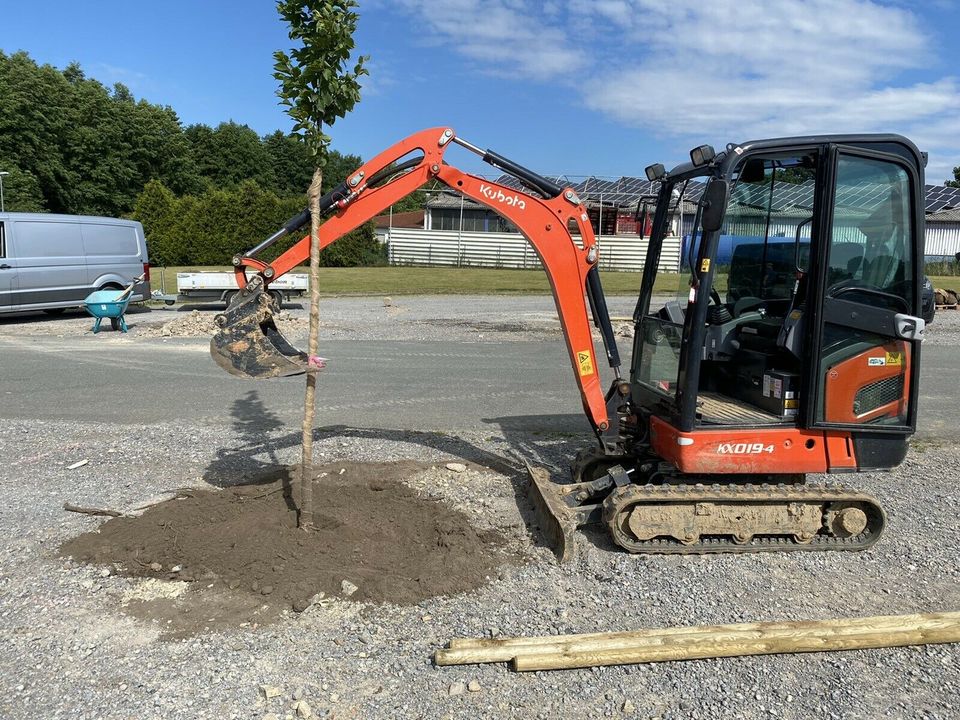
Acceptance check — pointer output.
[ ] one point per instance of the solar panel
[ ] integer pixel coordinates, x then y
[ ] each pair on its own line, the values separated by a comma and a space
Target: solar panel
940, 197
628, 191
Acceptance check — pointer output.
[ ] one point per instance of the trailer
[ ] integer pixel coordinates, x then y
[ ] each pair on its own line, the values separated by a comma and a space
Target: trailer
222, 286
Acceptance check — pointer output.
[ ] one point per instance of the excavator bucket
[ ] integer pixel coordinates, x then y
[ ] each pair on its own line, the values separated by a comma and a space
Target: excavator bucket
560, 508
247, 342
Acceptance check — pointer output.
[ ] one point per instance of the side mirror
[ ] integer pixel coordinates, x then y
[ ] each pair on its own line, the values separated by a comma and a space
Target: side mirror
714, 204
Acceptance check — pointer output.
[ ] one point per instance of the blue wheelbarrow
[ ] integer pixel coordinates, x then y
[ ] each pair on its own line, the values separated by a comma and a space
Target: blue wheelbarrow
104, 304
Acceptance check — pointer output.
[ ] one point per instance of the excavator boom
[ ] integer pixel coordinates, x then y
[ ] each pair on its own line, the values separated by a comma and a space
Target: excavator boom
248, 343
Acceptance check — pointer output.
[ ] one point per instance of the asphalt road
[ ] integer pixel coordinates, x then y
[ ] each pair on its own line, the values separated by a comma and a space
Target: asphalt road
431, 386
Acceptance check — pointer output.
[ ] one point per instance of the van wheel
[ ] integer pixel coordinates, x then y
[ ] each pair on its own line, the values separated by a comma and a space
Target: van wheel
54, 311
276, 300
228, 298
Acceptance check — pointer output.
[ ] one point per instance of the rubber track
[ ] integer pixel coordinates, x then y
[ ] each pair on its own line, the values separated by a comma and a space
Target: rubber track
623, 499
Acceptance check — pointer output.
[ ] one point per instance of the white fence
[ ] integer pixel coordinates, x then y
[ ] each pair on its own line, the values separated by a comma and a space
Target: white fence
942, 241
511, 250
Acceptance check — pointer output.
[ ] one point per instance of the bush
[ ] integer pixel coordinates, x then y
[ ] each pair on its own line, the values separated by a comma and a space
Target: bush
942, 267
210, 228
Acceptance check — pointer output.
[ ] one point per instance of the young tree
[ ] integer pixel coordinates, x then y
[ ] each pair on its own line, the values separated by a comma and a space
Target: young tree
317, 86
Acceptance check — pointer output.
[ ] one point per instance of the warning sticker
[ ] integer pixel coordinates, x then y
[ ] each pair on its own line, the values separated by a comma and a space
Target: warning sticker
873, 362
894, 358
586, 362
705, 265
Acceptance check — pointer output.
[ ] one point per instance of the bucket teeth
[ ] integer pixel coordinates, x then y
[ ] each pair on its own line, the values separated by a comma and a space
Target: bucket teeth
248, 344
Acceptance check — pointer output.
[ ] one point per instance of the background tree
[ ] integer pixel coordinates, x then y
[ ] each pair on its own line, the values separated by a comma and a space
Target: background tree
74, 145
289, 162
21, 192
956, 178
317, 87
229, 154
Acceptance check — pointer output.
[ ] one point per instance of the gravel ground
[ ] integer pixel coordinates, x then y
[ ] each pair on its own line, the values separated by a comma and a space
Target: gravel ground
72, 647
420, 318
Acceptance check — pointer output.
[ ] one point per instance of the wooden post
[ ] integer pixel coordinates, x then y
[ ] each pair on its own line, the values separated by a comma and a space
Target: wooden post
595, 649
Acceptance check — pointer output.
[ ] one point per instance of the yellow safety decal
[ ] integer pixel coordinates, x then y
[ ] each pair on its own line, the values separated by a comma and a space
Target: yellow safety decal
894, 358
586, 362
705, 265
791, 404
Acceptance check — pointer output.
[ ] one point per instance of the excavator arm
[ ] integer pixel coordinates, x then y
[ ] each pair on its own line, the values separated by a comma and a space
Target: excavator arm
248, 343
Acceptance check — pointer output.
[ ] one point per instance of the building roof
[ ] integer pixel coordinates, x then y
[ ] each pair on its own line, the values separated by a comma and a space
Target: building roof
412, 219
629, 192
945, 216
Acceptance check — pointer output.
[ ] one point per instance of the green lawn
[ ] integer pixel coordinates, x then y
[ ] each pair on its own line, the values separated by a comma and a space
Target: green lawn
435, 281
948, 282
462, 281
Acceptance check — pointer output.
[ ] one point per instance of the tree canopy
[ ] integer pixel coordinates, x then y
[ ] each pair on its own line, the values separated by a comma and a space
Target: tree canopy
956, 179
73, 145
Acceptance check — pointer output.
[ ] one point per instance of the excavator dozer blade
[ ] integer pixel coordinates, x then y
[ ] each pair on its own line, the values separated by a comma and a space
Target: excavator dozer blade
557, 512
247, 342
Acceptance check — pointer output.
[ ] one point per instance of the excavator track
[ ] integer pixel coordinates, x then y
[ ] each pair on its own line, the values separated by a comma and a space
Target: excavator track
741, 518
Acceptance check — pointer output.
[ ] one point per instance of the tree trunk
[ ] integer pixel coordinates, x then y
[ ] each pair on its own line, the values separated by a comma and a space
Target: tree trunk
305, 514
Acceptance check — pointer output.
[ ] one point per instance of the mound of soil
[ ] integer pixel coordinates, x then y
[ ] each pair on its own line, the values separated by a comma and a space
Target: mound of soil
372, 531
201, 324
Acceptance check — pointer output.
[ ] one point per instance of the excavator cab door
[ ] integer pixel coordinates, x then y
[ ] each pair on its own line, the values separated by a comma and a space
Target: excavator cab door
867, 328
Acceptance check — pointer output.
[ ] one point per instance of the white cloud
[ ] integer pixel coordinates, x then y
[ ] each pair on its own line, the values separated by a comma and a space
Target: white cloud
726, 70
110, 74
506, 37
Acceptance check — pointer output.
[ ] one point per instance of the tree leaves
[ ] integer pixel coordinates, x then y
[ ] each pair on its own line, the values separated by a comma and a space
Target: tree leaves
316, 84
89, 149
72, 145
212, 226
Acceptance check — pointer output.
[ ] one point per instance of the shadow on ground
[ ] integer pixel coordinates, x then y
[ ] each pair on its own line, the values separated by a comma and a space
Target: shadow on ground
256, 455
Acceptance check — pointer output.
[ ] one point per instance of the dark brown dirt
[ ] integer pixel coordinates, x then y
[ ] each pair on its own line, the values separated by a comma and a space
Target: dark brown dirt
371, 530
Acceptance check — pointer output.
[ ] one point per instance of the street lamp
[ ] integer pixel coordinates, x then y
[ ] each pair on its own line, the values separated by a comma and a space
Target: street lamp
2, 173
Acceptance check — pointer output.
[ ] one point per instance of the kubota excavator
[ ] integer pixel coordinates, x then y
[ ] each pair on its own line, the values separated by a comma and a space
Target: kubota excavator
793, 346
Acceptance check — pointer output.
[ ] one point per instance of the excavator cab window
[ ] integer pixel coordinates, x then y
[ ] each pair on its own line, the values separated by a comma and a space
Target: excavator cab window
751, 368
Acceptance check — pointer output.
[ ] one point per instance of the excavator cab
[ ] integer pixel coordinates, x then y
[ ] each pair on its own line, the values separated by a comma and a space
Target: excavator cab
799, 311
791, 347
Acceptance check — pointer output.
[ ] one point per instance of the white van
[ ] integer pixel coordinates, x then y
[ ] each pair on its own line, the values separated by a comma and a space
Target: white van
51, 262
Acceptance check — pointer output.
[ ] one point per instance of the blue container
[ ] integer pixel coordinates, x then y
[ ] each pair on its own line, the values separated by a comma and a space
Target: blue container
104, 304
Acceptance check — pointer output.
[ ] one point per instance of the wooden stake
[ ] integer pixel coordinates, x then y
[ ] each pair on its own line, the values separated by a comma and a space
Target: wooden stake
587, 648
707, 649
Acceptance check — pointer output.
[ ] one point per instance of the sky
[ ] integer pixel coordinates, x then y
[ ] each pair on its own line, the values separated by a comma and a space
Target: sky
565, 87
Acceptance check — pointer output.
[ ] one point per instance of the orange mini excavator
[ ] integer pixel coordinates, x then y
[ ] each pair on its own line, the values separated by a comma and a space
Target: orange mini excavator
792, 346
